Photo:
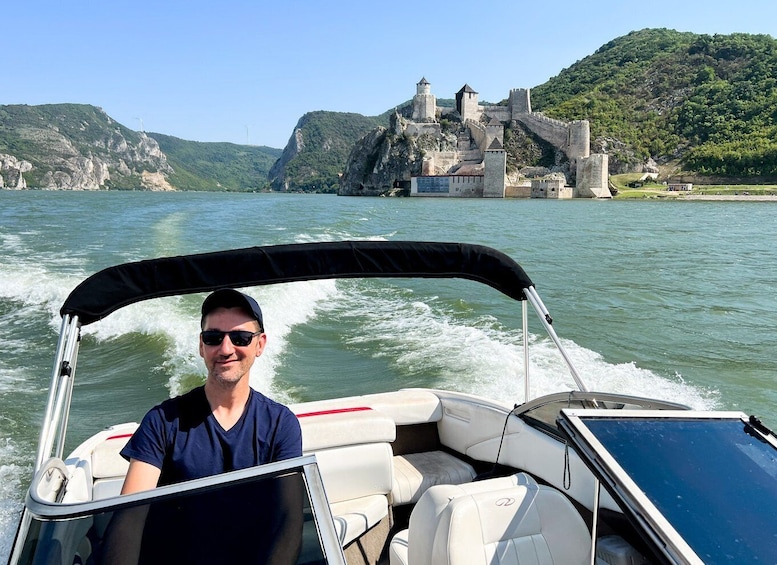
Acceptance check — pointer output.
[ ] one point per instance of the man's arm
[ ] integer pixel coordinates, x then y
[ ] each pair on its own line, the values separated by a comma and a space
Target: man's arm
140, 476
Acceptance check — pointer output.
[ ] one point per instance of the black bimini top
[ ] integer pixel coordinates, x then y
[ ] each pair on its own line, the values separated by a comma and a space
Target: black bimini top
121, 285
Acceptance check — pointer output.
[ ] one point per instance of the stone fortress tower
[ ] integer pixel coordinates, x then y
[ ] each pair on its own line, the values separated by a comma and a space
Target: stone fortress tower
494, 170
424, 103
467, 103
573, 138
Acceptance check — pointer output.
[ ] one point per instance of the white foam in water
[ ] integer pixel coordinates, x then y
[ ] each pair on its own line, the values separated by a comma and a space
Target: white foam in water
482, 357
32, 285
283, 307
178, 318
13, 471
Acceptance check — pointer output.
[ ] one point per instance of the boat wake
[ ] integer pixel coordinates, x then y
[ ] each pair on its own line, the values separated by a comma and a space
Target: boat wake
433, 339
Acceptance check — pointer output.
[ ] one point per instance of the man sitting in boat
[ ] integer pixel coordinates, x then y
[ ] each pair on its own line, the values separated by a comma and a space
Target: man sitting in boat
221, 426
224, 425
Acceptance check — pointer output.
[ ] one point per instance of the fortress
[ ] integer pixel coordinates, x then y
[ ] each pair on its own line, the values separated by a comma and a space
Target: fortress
477, 168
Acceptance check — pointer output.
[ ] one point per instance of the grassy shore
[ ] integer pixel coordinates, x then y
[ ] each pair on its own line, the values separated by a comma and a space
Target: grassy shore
739, 192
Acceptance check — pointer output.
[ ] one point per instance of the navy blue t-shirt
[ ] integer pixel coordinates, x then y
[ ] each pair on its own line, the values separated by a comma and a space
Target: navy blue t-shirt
181, 437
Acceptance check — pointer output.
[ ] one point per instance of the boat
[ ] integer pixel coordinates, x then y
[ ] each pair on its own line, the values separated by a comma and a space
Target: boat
410, 476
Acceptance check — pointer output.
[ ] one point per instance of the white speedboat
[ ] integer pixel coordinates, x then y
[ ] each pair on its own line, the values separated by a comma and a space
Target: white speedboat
413, 476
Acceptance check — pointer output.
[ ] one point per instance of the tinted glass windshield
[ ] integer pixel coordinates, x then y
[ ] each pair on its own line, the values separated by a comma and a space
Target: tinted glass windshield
715, 481
260, 520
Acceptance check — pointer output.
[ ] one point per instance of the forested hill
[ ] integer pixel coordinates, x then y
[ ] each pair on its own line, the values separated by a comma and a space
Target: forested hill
707, 103
318, 148
220, 166
704, 105
701, 104
80, 147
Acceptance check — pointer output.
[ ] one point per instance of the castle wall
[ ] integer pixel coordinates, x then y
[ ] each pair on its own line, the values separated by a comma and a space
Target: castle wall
447, 186
550, 188
574, 138
522, 190
414, 128
478, 132
443, 161
501, 113
553, 131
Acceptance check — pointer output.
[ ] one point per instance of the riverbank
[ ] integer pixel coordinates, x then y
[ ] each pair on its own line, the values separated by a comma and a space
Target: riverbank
731, 197
642, 194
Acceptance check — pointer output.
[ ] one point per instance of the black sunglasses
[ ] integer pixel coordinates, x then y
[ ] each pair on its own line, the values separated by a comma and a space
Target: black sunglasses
239, 338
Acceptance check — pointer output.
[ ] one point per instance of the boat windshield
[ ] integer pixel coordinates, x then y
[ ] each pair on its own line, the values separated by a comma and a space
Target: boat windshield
704, 483
543, 412
240, 517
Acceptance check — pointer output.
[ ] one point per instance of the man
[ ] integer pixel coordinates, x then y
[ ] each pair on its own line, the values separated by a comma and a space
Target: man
221, 426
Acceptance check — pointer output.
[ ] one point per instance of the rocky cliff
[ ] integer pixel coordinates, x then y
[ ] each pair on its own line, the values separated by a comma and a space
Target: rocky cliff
382, 162
317, 150
76, 147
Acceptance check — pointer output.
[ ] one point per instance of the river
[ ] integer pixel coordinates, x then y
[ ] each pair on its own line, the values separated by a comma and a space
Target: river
667, 299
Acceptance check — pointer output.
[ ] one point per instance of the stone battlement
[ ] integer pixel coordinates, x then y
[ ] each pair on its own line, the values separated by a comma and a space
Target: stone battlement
573, 138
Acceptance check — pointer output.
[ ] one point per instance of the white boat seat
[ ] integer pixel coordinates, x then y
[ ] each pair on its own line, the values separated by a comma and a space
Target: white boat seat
414, 473
354, 517
108, 467
428, 510
493, 522
357, 479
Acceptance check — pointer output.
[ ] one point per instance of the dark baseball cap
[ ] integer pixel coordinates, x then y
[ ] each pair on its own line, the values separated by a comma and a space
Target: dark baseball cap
231, 298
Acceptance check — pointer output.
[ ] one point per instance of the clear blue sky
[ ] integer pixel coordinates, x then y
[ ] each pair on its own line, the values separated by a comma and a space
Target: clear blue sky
246, 71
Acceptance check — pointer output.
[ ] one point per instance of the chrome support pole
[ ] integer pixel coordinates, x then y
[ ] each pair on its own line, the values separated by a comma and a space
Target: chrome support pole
525, 317
544, 315
70, 382
59, 392
45, 431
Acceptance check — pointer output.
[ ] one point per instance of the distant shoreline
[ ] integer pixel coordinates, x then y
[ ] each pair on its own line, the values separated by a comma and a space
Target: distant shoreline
731, 197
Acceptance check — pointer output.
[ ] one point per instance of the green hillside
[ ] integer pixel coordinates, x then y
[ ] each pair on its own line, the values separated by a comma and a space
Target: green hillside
54, 139
699, 104
318, 149
707, 102
216, 166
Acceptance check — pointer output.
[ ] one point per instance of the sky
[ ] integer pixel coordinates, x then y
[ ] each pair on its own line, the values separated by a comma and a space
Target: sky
246, 71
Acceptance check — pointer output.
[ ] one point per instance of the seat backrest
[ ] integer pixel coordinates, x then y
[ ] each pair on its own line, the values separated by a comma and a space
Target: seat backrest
524, 523
426, 515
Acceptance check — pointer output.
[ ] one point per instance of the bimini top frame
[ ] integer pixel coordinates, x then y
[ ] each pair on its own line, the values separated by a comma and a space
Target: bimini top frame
115, 287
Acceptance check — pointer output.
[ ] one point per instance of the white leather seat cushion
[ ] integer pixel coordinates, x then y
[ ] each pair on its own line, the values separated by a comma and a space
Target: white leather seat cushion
354, 517
106, 488
511, 527
326, 429
417, 541
398, 549
414, 473
106, 461
355, 471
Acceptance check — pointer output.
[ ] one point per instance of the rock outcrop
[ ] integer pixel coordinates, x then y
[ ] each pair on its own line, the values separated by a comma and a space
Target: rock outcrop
382, 161
77, 147
12, 172
294, 147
